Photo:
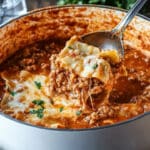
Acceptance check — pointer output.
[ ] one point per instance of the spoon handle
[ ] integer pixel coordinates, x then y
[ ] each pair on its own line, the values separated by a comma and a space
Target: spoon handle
129, 16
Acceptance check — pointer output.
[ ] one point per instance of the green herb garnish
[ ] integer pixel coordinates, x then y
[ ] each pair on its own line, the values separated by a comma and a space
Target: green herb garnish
40, 115
33, 111
61, 109
38, 112
38, 84
12, 93
38, 102
70, 47
95, 66
78, 113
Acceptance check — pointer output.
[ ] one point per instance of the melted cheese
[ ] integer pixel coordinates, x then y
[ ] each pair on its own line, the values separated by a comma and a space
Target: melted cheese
86, 60
26, 91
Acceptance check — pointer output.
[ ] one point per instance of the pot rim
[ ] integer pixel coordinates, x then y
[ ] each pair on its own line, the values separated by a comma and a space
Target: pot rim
83, 129
71, 5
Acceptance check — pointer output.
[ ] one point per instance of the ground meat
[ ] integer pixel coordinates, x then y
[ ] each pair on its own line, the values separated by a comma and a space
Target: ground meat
104, 111
130, 95
34, 57
64, 81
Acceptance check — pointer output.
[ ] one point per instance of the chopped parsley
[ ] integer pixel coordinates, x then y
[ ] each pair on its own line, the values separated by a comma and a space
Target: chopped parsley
38, 84
70, 47
12, 93
61, 109
38, 112
78, 112
38, 102
95, 66
40, 115
33, 111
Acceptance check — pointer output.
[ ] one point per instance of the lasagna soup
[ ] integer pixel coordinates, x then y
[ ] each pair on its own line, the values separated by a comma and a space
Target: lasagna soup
65, 83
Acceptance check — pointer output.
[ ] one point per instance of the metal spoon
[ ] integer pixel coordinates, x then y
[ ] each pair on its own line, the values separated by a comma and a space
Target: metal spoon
108, 40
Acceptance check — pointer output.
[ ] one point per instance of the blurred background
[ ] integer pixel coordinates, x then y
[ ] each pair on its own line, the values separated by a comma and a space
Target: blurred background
13, 8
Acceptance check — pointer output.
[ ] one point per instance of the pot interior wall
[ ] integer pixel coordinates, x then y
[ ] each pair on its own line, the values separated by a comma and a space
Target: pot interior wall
53, 23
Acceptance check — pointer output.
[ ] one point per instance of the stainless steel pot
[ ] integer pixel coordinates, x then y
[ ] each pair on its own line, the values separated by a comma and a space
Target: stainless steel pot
132, 134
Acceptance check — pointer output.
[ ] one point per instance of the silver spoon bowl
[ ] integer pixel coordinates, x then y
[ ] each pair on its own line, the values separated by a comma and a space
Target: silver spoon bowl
113, 40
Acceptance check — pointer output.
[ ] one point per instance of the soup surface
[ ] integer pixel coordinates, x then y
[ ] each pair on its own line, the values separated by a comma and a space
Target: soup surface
56, 84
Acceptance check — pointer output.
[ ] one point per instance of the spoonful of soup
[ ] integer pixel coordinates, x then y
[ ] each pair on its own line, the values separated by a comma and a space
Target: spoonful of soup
108, 40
